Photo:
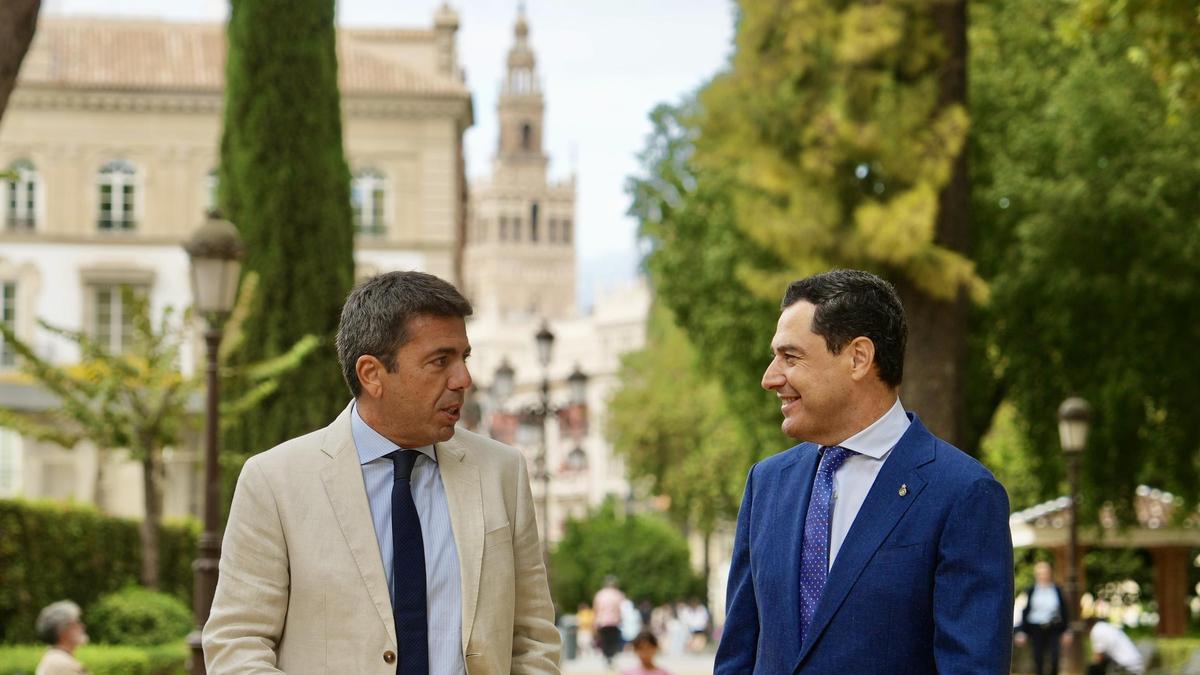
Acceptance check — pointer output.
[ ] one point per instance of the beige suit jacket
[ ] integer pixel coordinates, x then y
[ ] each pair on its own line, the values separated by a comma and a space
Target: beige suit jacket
302, 587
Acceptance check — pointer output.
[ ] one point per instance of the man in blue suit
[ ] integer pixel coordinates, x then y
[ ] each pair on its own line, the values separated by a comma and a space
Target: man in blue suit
873, 546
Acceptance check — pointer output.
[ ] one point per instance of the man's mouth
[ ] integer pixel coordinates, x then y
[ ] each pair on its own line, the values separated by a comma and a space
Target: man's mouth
786, 403
452, 411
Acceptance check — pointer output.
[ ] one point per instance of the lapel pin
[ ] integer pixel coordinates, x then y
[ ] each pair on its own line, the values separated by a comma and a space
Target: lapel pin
904, 489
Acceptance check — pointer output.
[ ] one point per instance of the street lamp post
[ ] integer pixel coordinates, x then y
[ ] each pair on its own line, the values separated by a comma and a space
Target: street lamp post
539, 413
1074, 416
215, 251
545, 349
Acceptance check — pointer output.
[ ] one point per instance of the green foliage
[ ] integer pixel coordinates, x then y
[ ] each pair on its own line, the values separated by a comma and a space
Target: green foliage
169, 659
832, 123
1089, 196
644, 552
696, 249
285, 184
1175, 653
139, 617
672, 424
1005, 450
52, 551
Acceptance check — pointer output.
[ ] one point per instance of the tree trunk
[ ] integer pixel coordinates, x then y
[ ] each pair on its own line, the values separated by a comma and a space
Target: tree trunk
18, 20
153, 476
935, 363
100, 494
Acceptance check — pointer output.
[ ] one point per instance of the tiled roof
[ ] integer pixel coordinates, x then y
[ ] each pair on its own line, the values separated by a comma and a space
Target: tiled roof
145, 55
1154, 509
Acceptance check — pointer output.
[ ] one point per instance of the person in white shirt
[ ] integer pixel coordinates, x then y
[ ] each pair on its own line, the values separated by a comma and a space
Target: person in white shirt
1113, 653
60, 626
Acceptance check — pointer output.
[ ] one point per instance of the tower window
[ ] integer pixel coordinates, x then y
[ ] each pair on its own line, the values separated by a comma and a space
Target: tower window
566, 231
503, 228
533, 222
553, 230
516, 231
526, 136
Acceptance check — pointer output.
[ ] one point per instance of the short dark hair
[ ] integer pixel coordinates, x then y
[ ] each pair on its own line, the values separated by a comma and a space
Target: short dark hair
377, 312
853, 303
645, 637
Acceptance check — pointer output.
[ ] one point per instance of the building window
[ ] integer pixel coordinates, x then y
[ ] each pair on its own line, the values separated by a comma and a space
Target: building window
117, 196
112, 314
212, 182
10, 463
20, 199
367, 196
526, 136
503, 228
566, 231
553, 230
533, 222
516, 229
8, 317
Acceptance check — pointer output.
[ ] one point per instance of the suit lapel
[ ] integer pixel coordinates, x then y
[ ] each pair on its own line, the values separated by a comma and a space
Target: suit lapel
347, 494
880, 512
464, 498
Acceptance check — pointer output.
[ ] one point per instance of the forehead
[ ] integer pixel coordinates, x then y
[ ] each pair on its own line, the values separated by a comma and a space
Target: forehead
424, 329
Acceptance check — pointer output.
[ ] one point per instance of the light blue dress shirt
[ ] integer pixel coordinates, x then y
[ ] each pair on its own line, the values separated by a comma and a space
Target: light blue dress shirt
443, 586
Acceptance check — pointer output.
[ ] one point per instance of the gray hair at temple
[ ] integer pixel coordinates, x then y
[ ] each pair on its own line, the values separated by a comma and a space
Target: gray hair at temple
53, 618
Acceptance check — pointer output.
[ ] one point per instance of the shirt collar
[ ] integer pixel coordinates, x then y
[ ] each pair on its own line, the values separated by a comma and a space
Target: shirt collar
372, 445
876, 440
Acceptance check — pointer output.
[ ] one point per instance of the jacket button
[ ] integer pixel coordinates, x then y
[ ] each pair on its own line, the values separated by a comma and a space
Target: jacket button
389, 657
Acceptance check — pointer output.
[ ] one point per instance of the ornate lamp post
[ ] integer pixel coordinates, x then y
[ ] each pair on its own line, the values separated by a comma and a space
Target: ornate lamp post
538, 414
1074, 416
215, 251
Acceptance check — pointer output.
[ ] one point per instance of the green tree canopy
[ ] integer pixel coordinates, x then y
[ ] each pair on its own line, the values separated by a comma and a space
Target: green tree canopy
643, 551
1089, 195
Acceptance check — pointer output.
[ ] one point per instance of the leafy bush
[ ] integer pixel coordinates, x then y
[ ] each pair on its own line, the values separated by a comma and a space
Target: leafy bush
139, 617
647, 555
52, 551
1174, 653
170, 659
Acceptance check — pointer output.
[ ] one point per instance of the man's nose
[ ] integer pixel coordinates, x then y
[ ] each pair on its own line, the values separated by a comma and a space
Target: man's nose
772, 378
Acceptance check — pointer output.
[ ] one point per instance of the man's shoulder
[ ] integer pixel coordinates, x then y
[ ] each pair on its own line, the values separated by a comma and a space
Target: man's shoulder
292, 452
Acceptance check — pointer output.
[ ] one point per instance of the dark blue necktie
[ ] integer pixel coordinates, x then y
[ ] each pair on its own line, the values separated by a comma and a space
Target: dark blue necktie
814, 555
408, 571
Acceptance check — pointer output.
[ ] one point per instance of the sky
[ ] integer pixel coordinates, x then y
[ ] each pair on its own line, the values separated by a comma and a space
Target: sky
603, 65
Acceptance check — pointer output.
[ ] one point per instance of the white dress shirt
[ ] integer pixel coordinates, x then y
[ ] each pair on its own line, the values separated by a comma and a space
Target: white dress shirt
853, 480
443, 585
1043, 605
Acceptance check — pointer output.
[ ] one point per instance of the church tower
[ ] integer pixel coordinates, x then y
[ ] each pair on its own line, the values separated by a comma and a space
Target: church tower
519, 252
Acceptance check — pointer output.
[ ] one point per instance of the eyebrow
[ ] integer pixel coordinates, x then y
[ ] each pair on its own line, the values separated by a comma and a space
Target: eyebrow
447, 351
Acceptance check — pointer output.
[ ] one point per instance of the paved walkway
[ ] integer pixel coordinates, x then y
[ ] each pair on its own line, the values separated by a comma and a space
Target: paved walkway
687, 664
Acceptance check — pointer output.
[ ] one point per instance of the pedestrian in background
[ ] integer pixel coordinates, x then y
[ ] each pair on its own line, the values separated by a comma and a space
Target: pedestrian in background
645, 646
586, 637
607, 606
1113, 653
1044, 620
60, 625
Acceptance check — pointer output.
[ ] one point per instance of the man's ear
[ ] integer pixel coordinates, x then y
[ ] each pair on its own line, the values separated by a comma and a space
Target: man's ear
862, 357
370, 371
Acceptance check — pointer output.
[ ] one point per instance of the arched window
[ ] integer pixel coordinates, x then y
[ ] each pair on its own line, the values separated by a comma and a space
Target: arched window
117, 195
20, 199
368, 196
526, 136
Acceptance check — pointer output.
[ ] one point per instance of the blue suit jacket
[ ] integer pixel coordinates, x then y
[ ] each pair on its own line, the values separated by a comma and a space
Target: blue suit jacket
923, 582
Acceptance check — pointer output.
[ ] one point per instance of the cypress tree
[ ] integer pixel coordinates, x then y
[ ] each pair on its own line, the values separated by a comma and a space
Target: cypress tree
284, 182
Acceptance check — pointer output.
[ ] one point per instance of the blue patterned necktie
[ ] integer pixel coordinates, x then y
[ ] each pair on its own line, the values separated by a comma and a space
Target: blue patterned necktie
814, 554
408, 571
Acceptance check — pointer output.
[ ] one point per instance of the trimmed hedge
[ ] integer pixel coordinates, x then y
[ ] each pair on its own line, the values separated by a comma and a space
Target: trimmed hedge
169, 659
139, 617
53, 551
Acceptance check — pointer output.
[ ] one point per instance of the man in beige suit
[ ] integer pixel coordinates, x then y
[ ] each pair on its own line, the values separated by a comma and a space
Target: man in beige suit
387, 542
